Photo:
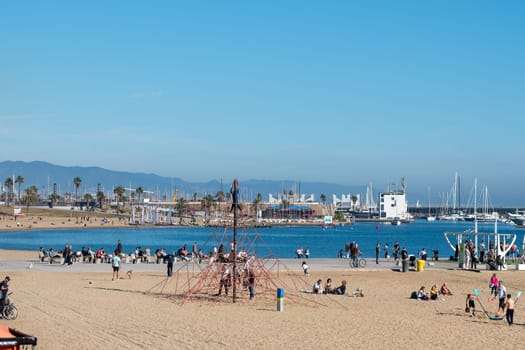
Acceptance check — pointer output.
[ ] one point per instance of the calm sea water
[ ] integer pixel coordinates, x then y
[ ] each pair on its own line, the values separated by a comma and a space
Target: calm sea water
280, 242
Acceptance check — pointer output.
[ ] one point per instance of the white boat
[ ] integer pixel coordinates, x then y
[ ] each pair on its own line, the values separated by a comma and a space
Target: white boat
429, 217
396, 221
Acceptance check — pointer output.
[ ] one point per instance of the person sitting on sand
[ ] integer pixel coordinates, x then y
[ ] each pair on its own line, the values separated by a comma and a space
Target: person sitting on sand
328, 288
318, 287
434, 292
341, 289
422, 294
444, 290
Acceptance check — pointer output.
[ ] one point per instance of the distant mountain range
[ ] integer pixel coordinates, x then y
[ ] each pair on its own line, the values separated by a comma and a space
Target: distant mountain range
45, 175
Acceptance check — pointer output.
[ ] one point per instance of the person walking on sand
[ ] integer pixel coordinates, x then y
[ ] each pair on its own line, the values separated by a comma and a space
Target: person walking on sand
251, 284
116, 265
470, 305
502, 295
493, 284
169, 265
509, 306
118, 251
305, 268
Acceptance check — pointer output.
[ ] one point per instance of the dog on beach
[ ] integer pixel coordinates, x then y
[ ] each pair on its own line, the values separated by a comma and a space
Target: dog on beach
129, 273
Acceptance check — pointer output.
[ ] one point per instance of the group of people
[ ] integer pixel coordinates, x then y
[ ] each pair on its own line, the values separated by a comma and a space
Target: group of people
303, 253
473, 255
328, 288
505, 301
248, 279
434, 293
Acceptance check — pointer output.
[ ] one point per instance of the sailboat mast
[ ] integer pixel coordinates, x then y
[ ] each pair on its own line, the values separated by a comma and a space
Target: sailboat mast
459, 193
475, 206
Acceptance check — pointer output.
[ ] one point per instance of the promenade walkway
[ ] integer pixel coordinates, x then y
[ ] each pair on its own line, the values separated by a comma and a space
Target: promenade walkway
291, 264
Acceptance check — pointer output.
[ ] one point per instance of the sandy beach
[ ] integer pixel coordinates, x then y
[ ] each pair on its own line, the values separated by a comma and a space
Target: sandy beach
8, 223
60, 219
81, 307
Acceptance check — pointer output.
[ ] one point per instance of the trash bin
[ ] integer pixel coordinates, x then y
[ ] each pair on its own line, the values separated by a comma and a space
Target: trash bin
405, 265
421, 265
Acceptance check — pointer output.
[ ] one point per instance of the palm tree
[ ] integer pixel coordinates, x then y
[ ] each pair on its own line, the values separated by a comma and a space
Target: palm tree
88, 197
9, 184
53, 197
256, 202
77, 181
207, 203
181, 207
100, 198
139, 191
323, 198
31, 196
19, 181
119, 192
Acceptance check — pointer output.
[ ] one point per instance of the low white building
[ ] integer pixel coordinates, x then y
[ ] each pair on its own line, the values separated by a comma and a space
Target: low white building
393, 205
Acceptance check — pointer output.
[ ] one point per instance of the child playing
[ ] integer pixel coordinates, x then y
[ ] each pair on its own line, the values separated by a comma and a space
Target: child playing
305, 268
470, 305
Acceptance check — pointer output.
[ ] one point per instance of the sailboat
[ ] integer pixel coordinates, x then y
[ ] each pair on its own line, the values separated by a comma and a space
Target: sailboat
430, 217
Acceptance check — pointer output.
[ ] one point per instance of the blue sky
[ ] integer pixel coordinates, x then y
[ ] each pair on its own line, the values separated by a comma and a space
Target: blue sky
338, 91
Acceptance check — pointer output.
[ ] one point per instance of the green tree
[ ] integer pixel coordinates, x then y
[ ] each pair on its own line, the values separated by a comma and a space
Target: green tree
88, 197
53, 197
19, 181
182, 208
119, 192
9, 184
31, 196
207, 202
77, 181
100, 198
323, 198
256, 203
139, 190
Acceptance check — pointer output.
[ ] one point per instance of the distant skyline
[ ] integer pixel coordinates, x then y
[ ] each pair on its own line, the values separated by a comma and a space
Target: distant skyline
343, 92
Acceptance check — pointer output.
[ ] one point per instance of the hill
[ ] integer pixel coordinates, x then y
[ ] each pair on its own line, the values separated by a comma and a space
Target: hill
45, 175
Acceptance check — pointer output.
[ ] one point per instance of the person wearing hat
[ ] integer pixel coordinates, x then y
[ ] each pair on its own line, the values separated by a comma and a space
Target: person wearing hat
4, 288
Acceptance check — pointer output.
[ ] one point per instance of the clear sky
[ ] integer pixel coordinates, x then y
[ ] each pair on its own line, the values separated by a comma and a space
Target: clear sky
335, 91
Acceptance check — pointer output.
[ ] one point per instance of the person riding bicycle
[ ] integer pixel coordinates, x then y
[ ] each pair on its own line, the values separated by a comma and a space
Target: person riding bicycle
4, 289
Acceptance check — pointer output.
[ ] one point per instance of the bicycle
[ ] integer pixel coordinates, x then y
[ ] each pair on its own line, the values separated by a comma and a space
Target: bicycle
358, 261
9, 310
